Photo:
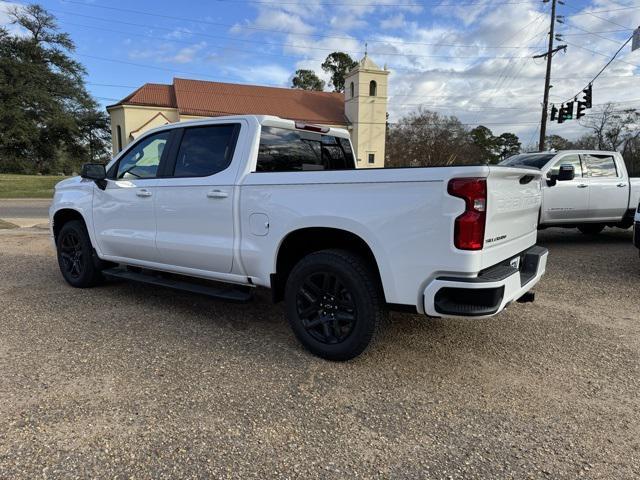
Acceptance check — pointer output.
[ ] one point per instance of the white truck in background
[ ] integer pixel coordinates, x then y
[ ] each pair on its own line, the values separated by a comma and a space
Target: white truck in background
600, 192
636, 228
262, 201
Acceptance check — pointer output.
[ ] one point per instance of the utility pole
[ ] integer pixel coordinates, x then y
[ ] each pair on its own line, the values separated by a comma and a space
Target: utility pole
547, 79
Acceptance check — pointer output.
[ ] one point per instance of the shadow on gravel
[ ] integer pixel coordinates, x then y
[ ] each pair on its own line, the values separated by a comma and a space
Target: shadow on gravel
552, 236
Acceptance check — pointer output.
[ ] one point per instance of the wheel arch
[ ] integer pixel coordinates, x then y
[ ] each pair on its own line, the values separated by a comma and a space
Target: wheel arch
303, 241
63, 216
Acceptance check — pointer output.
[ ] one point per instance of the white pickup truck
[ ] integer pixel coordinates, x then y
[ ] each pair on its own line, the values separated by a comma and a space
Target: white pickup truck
261, 201
599, 194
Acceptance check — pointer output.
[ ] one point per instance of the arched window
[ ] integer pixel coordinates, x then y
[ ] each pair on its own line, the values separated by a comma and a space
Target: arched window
373, 87
119, 137
352, 90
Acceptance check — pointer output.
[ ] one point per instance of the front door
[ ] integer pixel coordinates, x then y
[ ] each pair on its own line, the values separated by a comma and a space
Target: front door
194, 201
566, 201
609, 190
124, 213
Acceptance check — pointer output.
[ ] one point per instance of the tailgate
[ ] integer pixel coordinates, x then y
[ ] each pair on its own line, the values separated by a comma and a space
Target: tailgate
513, 204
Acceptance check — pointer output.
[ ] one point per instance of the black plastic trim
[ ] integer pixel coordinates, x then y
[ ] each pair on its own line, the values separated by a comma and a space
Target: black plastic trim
468, 302
529, 260
229, 292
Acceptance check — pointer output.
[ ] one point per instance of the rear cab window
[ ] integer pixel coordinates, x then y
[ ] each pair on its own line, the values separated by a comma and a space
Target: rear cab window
285, 150
600, 165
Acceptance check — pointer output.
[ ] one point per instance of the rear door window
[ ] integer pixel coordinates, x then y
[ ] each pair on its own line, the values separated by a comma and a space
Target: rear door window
283, 150
600, 165
205, 150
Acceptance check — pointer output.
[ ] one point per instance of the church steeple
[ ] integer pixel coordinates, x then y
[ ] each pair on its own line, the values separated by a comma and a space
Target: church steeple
366, 109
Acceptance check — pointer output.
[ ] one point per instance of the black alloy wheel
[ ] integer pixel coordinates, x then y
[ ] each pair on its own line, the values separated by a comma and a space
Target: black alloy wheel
326, 308
335, 304
71, 253
78, 265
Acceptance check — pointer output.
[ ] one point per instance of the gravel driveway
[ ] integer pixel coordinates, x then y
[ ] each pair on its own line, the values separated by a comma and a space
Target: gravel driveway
133, 381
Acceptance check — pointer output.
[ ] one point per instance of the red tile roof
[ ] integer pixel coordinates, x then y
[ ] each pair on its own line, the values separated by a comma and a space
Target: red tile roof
152, 94
211, 99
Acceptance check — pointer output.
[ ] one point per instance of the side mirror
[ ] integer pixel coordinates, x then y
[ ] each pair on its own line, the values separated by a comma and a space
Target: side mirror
566, 172
95, 172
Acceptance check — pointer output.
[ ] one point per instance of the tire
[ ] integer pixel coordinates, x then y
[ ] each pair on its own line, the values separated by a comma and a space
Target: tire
591, 228
334, 304
76, 257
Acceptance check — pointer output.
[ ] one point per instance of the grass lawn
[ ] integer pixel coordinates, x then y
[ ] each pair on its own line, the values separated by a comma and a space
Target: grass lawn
6, 225
28, 186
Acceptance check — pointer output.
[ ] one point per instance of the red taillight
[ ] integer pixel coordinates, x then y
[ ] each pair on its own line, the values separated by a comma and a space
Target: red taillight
469, 227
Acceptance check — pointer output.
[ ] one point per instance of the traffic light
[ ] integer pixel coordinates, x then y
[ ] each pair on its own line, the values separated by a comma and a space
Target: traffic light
568, 111
582, 106
554, 113
561, 114
588, 96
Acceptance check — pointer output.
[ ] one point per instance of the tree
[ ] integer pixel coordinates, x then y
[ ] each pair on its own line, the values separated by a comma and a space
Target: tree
485, 143
338, 65
557, 142
424, 138
46, 114
307, 80
507, 144
611, 127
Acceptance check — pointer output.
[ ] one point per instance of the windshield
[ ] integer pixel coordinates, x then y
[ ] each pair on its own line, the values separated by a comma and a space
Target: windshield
537, 160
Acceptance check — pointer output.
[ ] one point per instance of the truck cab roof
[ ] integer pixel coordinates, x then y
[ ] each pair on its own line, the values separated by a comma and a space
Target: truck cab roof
266, 120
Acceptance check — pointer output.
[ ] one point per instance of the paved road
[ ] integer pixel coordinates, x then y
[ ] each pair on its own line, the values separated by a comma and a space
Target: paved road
24, 208
134, 381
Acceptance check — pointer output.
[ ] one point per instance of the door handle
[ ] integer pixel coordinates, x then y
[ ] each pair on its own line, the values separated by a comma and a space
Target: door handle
583, 185
621, 185
217, 194
143, 192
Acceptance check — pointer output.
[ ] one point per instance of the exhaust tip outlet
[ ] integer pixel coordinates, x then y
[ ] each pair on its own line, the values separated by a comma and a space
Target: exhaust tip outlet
527, 297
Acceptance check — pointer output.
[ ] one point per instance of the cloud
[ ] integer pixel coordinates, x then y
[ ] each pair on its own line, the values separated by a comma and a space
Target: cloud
168, 53
269, 74
5, 18
393, 22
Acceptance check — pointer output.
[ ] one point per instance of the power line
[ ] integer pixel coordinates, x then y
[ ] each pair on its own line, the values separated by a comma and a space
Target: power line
204, 35
587, 32
597, 16
604, 54
378, 54
350, 4
603, 68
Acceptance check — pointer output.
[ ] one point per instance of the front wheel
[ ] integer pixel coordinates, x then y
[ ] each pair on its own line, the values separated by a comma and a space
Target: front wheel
75, 256
591, 228
334, 304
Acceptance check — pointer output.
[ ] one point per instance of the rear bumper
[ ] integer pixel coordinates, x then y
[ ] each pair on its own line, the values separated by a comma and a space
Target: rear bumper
489, 292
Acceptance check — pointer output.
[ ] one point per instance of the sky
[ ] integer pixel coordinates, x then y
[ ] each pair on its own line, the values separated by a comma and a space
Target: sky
468, 58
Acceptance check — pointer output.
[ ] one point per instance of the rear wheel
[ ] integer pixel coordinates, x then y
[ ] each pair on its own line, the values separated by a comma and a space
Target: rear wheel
75, 256
591, 228
334, 304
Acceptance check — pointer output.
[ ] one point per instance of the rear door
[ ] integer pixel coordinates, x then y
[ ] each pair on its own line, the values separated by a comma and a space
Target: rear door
123, 213
566, 201
609, 189
194, 201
